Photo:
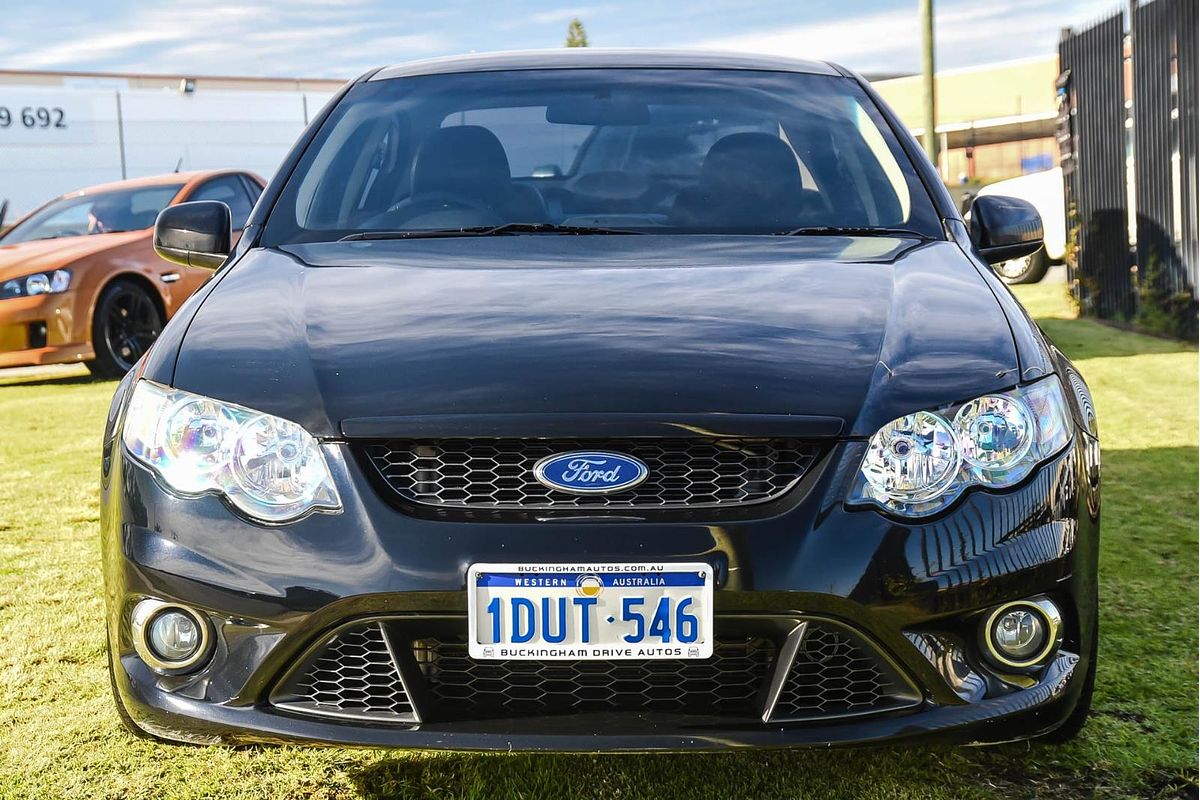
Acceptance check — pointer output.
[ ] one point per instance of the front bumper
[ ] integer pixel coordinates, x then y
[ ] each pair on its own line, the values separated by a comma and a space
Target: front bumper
275, 593
1019, 715
42, 329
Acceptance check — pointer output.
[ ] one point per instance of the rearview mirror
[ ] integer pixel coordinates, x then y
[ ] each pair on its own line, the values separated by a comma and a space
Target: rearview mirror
1004, 228
196, 234
597, 111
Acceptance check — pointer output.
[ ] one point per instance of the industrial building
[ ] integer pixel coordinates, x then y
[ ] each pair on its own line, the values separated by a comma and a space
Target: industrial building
994, 121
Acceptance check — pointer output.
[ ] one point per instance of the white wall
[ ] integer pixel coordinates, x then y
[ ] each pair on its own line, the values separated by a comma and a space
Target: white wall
91, 131
38, 163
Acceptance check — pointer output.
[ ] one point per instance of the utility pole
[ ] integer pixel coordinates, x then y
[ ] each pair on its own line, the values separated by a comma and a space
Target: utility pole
927, 70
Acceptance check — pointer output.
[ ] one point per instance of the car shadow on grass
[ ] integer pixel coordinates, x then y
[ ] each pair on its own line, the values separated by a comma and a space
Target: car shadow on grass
57, 375
73, 380
839, 774
1014, 771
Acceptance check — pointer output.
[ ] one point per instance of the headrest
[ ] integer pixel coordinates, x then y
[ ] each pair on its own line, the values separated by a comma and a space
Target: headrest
464, 160
743, 160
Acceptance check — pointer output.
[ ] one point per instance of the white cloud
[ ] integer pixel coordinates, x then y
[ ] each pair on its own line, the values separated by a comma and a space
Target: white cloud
293, 38
566, 14
390, 49
100, 45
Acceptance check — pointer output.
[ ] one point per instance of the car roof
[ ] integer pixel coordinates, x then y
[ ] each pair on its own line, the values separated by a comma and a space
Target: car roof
167, 179
601, 58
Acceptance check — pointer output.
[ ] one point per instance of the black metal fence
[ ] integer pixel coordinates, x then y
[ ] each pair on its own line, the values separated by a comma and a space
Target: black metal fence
1165, 155
1128, 140
1092, 111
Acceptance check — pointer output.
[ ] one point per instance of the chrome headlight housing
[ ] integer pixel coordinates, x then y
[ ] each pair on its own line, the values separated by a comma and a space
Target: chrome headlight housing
919, 464
269, 468
50, 282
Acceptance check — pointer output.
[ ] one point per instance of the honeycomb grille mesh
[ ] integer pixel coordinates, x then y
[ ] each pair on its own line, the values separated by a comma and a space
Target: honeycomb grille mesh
728, 683
835, 673
353, 675
499, 473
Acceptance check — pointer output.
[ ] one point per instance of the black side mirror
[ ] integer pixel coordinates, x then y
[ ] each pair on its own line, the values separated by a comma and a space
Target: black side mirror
196, 234
1004, 228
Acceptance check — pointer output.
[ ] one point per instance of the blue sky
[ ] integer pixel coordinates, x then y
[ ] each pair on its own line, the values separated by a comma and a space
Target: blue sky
338, 39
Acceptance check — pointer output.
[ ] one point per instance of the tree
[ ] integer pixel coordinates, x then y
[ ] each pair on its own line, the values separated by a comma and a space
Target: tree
576, 35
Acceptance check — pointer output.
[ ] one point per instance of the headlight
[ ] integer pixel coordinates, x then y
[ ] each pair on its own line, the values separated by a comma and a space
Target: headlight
267, 467
919, 464
55, 282
913, 458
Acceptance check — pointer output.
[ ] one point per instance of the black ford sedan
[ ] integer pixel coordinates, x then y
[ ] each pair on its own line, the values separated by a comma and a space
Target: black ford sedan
602, 401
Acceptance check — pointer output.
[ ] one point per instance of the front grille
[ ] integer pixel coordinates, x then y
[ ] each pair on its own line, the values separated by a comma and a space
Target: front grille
836, 674
366, 671
683, 473
726, 684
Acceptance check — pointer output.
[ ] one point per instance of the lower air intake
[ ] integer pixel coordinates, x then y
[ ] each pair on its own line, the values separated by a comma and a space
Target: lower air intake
727, 684
353, 676
372, 670
835, 673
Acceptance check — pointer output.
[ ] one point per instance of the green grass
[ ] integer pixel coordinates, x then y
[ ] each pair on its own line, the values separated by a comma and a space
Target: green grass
59, 735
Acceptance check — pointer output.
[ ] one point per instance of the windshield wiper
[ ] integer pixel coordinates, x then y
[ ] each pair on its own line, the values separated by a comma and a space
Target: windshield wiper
506, 229
834, 230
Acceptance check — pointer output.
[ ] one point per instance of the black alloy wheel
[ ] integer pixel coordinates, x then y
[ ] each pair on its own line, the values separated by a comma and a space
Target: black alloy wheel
126, 323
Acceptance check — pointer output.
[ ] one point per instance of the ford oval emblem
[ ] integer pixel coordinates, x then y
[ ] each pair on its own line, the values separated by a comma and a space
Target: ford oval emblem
590, 472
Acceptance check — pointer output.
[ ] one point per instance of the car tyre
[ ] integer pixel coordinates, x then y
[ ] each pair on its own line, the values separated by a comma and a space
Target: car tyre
1030, 269
125, 323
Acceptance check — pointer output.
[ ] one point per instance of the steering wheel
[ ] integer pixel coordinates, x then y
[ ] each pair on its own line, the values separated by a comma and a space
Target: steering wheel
432, 203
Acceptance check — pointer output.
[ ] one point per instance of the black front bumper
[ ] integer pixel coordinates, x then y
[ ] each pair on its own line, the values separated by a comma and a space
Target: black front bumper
274, 593
1020, 715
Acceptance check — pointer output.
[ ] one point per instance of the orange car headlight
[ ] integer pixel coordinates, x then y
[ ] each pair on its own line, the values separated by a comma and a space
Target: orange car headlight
55, 282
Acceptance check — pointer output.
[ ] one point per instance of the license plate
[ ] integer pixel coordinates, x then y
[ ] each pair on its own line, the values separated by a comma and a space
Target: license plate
590, 611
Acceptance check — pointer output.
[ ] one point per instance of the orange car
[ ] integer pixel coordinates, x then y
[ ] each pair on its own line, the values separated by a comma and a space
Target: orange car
79, 279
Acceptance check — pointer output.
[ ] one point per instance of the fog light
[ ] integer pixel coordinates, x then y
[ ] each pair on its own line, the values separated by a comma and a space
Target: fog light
174, 636
1021, 634
38, 335
170, 638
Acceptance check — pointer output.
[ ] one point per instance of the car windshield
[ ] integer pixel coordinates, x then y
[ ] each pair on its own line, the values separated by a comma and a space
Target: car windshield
110, 211
602, 150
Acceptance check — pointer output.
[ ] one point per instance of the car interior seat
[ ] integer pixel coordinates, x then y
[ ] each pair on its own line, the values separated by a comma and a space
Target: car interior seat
468, 161
747, 180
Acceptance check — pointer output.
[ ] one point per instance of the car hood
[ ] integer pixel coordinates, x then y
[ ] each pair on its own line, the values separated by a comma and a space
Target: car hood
43, 254
854, 330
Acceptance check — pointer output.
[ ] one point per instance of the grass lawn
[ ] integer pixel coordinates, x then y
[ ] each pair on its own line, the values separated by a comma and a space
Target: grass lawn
59, 735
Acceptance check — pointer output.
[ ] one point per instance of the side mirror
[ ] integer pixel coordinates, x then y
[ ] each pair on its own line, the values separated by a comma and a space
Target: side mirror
1004, 228
197, 234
